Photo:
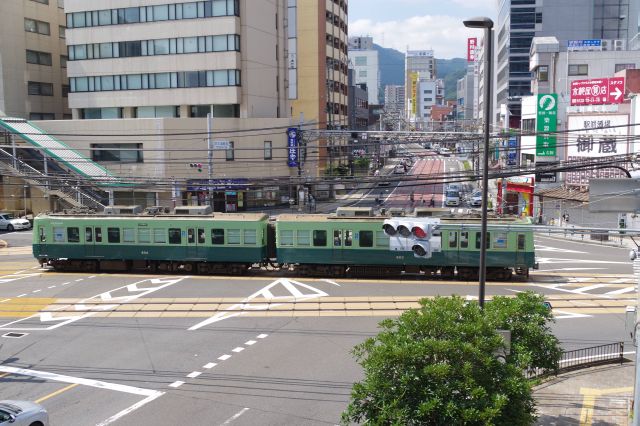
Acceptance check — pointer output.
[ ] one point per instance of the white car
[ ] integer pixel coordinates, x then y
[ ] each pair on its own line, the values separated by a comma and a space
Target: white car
452, 199
9, 223
23, 413
475, 199
454, 187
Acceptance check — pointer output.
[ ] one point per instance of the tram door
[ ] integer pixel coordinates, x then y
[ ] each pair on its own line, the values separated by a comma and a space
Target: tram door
342, 243
521, 249
89, 241
192, 244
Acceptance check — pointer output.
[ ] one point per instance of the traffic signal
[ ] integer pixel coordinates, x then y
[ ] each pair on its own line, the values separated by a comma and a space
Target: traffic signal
413, 234
196, 166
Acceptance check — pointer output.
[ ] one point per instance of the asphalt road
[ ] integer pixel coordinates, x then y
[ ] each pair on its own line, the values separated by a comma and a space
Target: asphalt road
265, 349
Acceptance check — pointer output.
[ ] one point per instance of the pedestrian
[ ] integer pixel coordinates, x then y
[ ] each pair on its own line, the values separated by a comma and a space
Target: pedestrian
412, 197
424, 202
432, 202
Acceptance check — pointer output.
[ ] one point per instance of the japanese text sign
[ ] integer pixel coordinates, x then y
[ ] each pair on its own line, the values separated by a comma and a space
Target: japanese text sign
292, 146
597, 91
546, 125
472, 43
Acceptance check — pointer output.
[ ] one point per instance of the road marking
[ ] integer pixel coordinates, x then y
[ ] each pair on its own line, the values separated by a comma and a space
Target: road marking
557, 249
194, 374
66, 283
235, 416
52, 286
5, 300
150, 394
176, 384
330, 282
589, 399
262, 336
294, 288
238, 349
593, 287
92, 276
94, 304
80, 279
567, 315
22, 295
209, 365
36, 291
552, 260
569, 269
250, 342
621, 291
19, 272
58, 392
224, 357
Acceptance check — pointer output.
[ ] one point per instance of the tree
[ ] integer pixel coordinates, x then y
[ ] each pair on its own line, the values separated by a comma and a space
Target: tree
437, 366
533, 346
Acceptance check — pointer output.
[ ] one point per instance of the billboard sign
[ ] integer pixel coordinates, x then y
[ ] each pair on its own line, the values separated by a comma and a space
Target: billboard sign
512, 152
546, 176
578, 45
472, 43
414, 92
546, 125
593, 138
292, 147
597, 91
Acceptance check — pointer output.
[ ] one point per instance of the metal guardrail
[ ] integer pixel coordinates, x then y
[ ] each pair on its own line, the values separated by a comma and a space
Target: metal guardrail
583, 358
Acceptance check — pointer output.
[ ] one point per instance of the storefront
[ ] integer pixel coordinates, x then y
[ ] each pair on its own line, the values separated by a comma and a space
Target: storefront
227, 195
515, 196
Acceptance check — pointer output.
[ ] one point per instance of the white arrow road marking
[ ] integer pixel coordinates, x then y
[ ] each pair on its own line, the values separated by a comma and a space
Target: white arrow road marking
567, 315
150, 394
291, 286
92, 305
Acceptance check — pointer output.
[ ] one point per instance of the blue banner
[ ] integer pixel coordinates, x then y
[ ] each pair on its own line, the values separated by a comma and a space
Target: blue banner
292, 146
240, 184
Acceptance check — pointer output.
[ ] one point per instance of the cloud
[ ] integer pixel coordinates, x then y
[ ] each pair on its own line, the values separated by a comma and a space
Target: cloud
446, 35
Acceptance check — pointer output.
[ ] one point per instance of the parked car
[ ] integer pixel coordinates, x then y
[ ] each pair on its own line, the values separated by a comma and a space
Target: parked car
444, 152
452, 199
475, 199
399, 169
9, 223
23, 413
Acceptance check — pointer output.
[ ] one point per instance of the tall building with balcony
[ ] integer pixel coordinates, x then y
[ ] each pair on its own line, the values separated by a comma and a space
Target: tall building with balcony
363, 59
318, 85
33, 60
519, 21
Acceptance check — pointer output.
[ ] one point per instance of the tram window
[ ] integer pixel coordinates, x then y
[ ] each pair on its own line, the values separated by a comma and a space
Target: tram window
250, 237
201, 236
348, 238
217, 236
453, 239
191, 235
98, 235
521, 241
175, 236
286, 237
43, 235
478, 234
337, 238
88, 235
500, 240
303, 238
233, 236
159, 236
113, 235
73, 235
129, 235
144, 235
464, 239
366, 238
58, 235
382, 239
319, 238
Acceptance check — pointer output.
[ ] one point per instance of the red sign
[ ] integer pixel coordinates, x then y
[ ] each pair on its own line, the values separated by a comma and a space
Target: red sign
597, 91
472, 43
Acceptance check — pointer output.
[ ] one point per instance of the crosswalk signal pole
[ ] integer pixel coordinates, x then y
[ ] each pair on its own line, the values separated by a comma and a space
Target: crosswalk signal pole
634, 256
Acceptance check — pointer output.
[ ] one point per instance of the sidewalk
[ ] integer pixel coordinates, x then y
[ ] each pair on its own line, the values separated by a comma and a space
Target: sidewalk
595, 396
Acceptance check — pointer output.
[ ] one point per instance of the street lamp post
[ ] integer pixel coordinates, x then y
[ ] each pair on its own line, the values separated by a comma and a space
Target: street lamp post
487, 25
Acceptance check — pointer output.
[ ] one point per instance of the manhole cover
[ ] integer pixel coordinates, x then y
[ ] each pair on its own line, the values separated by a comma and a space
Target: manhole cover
13, 335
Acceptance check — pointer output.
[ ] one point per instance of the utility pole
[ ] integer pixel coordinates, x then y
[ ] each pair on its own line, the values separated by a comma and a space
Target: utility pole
210, 157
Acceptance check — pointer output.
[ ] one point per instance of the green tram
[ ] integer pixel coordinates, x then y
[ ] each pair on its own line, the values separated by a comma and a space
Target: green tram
316, 245
224, 243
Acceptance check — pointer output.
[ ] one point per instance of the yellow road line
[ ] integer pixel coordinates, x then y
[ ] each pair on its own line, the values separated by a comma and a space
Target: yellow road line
589, 399
58, 392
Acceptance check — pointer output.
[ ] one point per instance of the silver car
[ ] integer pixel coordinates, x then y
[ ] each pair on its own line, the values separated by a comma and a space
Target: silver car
23, 413
8, 222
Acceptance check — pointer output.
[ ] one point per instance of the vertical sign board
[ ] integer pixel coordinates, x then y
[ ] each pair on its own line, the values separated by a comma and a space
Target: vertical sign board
593, 138
597, 91
512, 152
414, 92
292, 147
546, 122
471, 49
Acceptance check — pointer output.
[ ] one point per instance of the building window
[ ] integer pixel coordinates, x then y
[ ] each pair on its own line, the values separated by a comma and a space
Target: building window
528, 125
190, 10
100, 113
157, 112
362, 73
33, 26
42, 116
62, 31
579, 69
543, 73
361, 61
63, 61
39, 89
39, 58
65, 90
61, 4
267, 150
620, 67
188, 79
230, 153
41, 1
117, 152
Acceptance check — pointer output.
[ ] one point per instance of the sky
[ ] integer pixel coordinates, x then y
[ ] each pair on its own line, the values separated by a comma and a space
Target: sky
419, 24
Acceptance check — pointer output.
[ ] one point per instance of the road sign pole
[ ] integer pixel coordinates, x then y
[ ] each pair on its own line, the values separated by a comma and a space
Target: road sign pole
636, 387
210, 158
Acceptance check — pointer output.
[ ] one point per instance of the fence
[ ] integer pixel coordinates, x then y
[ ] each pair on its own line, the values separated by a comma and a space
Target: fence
583, 358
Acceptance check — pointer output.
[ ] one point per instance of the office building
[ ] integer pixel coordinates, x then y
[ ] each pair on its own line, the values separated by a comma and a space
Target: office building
466, 95
394, 99
363, 59
358, 104
33, 60
419, 65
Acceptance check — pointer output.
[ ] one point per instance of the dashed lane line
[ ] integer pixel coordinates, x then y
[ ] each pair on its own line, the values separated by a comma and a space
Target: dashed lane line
235, 416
